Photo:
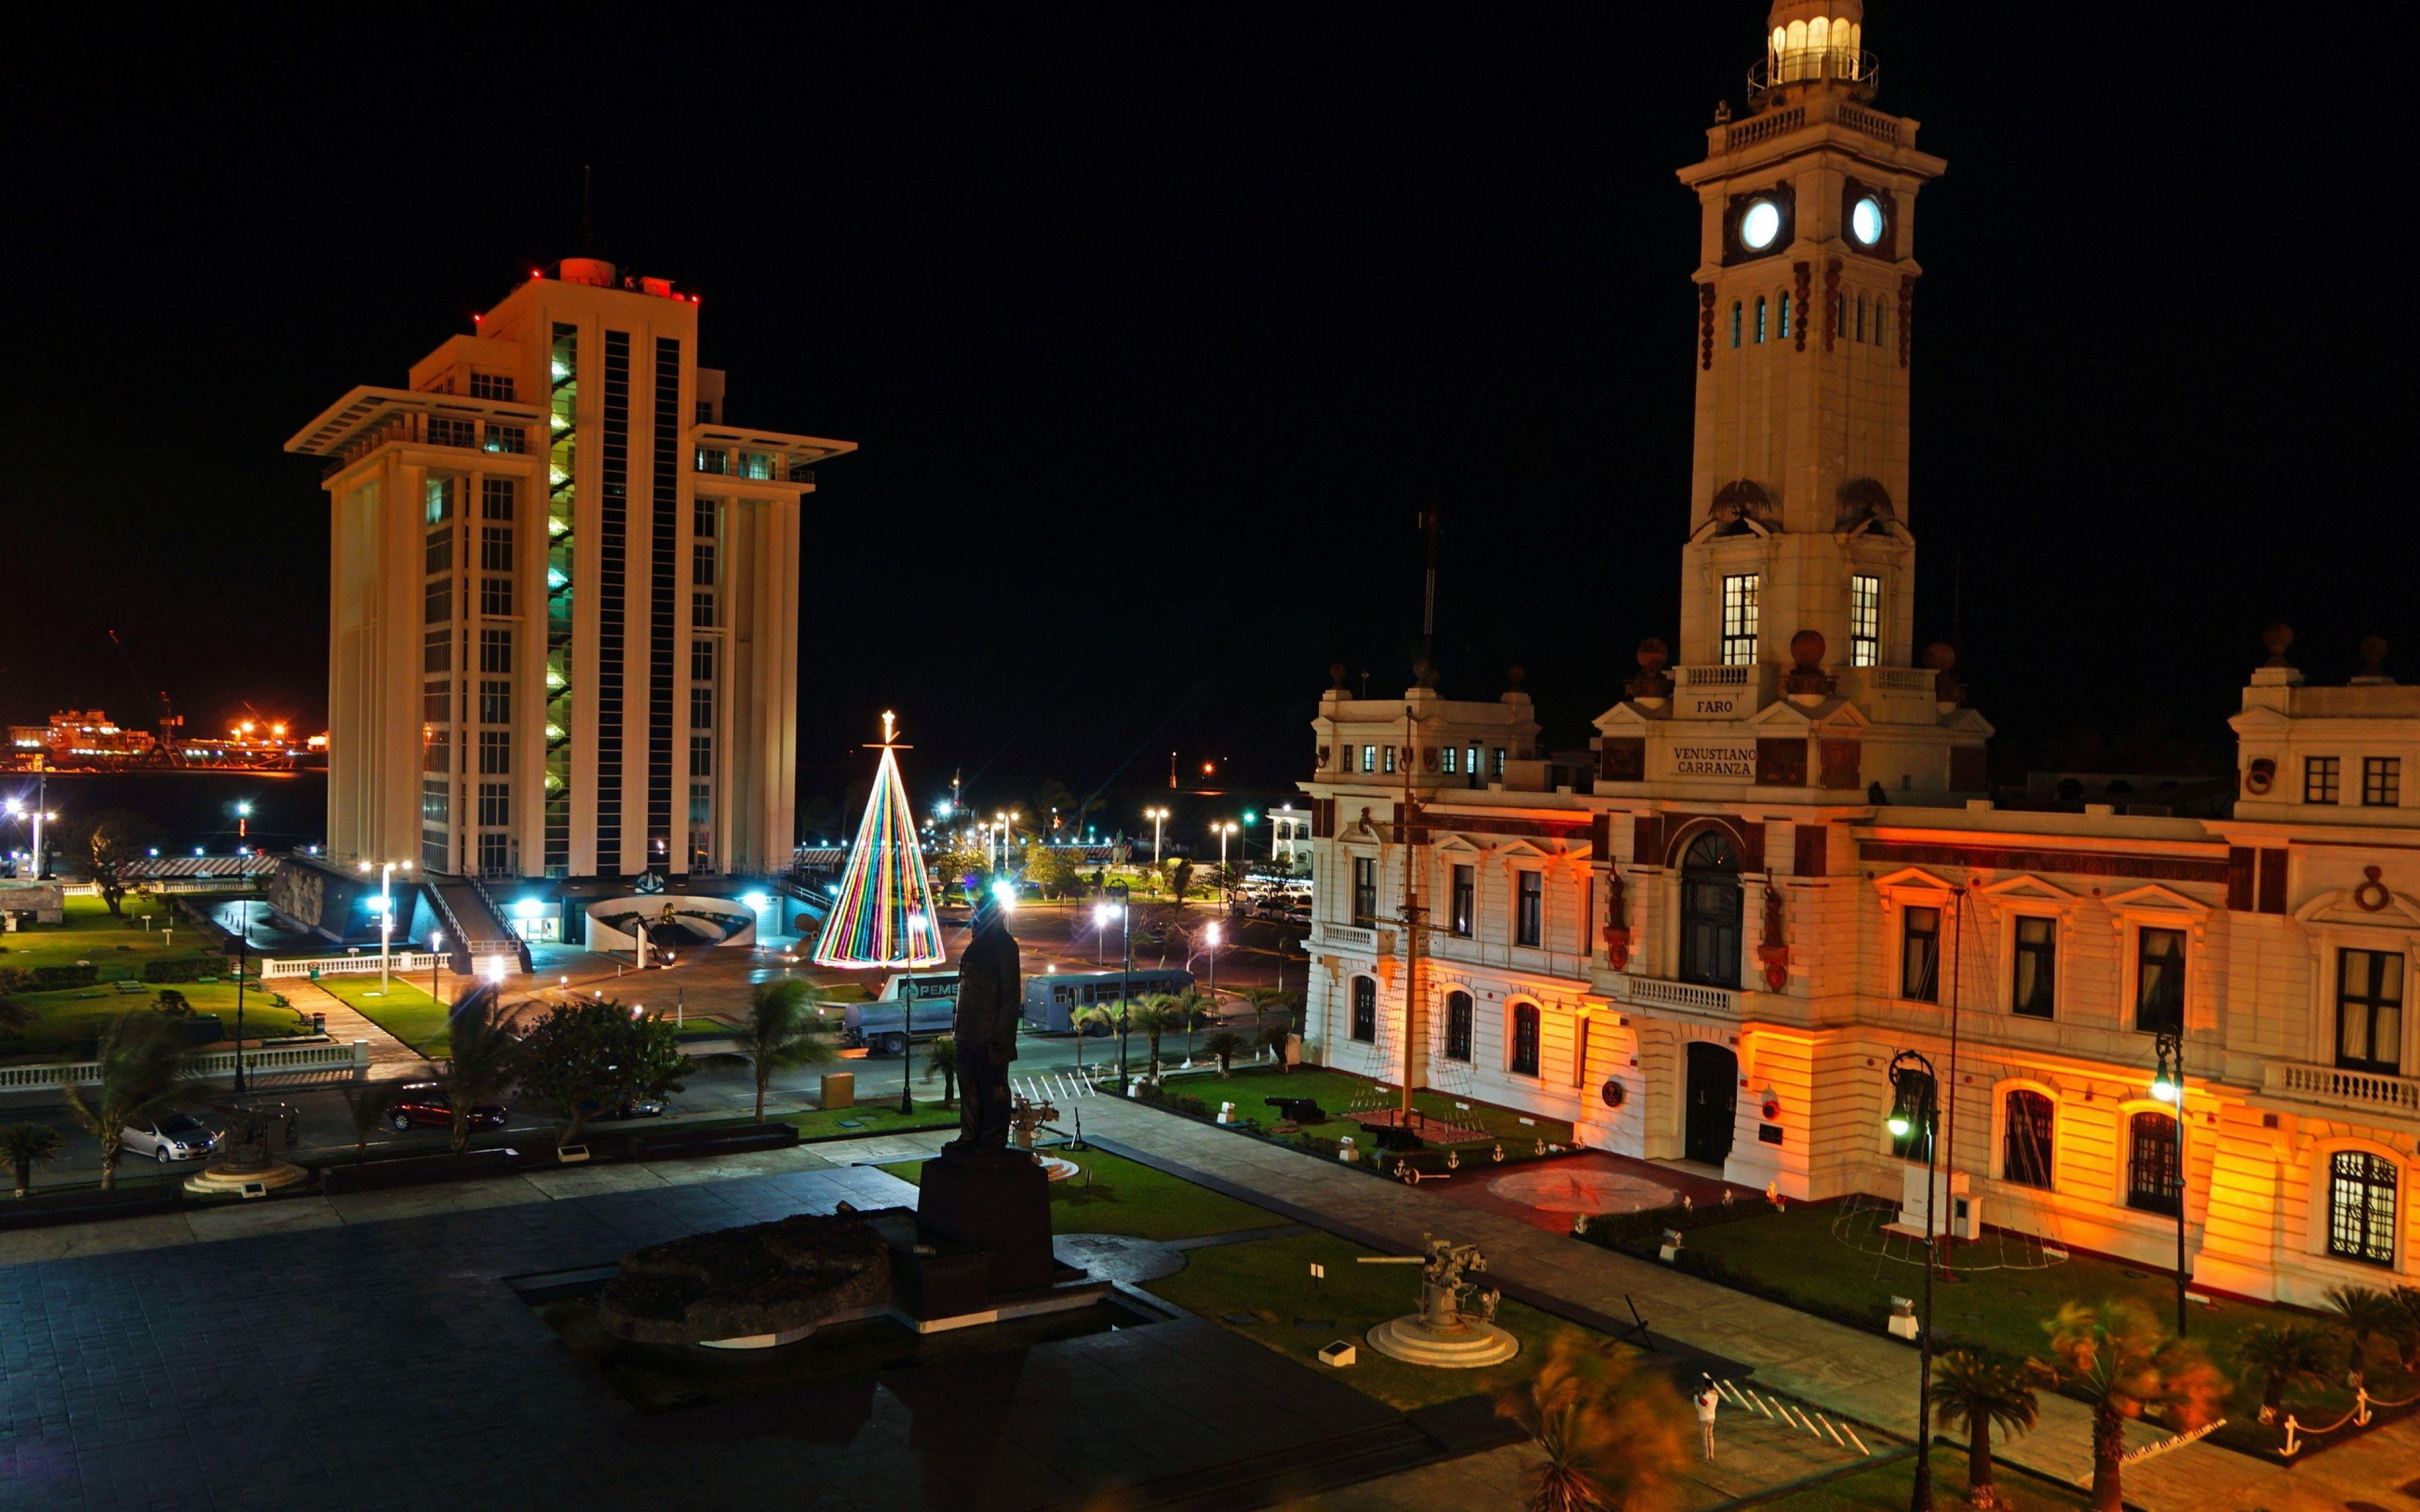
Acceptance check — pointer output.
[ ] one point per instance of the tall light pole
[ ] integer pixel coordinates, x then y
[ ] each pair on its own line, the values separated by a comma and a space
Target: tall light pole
1916, 1106
2169, 1086
1210, 936
243, 951
1126, 973
1158, 818
1224, 828
436, 953
243, 820
386, 918
1102, 913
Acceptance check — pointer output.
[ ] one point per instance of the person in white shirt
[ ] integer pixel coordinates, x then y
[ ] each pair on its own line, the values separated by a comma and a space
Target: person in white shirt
1707, 1400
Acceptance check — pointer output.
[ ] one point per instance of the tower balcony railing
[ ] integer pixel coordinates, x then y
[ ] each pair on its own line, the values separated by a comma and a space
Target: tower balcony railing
1856, 68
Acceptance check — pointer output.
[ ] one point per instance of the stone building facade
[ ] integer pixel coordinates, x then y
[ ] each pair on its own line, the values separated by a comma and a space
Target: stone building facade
1783, 868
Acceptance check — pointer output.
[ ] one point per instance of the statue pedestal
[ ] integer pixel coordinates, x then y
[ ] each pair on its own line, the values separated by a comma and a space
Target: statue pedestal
213, 1182
997, 1201
1465, 1346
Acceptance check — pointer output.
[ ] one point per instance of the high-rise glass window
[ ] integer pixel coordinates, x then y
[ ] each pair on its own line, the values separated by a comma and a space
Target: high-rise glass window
700, 611
491, 386
2369, 1010
496, 651
495, 803
2034, 987
436, 600
701, 707
2160, 980
437, 651
1865, 620
701, 564
436, 749
1465, 899
495, 751
1920, 955
1739, 619
440, 501
701, 660
513, 440
2360, 1207
701, 755
495, 701
2321, 779
1529, 908
496, 547
2381, 781
496, 497
495, 855
496, 597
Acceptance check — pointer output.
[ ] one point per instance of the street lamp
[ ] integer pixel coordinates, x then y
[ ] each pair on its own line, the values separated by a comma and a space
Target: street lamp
1126, 973
1914, 1107
436, 949
386, 871
1159, 817
242, 950
243, 820
1223, 830
1102, 913
2169, 1086
1210, 938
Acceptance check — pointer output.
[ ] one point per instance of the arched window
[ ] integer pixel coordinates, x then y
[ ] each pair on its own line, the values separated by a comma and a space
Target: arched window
2360, 1207
1525, 1040
1457, 1026
1365, 1010
1711, 911
1783, 299
1759, 319
2153, 1183
1735, 322
1920, 1093
2025, 1144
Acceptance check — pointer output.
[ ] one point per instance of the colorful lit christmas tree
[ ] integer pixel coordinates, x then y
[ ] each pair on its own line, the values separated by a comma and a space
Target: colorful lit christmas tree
884, 914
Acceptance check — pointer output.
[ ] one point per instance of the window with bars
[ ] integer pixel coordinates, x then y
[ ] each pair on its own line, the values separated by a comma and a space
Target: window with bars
1920, 955
2321, 774
1459, 1018
2369, 1010
495, 701
2381, 781
1920, 1093
2025, 1142
1865, 620
495, 751
496, 651
2160, 980
2360, 1207
2154, 1184
1525, 1038
1529, 908
1365, 1010
1739, 619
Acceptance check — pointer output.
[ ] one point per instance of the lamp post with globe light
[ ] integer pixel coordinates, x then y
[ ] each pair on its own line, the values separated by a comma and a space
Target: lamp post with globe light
1158, 818
386, 871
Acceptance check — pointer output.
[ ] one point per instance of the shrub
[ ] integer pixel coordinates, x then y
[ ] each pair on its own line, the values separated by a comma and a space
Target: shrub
176, 970
52, 979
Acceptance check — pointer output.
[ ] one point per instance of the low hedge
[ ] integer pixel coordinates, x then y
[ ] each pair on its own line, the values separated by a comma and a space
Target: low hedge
55, 978
192, 970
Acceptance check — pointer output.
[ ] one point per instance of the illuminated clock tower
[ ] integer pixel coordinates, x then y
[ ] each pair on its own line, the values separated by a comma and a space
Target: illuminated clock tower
1806, 292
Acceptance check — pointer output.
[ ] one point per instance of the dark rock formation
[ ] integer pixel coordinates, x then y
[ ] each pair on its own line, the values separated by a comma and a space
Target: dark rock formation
735, 1283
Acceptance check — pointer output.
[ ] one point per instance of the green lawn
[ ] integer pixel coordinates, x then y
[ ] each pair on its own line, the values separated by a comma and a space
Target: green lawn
64, 1024
1339, 1092
1269, 1280
407, 1012
2002, 1311
1117, 1195
1886, 1488
118, 948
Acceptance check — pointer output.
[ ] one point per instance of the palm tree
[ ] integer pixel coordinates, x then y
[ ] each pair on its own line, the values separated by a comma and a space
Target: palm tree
2367, 1314
2407, 1330
368, 1102
941, 1059
1191, 1009
1081, 1020
2125, 1365
1156, 1015
26, 1145
1975, 1395
1224, 1043
2286, 1355
137, 1079
482, 1058
1613, 1439
779, 1033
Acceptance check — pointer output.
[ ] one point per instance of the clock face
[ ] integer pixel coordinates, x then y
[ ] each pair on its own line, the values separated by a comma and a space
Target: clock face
1866, 220
1759, 225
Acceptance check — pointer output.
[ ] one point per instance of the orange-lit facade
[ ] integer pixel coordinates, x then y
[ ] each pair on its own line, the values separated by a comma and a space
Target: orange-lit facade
1777, 864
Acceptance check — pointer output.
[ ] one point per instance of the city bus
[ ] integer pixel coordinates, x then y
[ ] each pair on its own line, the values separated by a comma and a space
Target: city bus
1052, 999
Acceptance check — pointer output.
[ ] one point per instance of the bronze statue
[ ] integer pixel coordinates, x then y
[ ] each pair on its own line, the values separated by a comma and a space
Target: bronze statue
991, 998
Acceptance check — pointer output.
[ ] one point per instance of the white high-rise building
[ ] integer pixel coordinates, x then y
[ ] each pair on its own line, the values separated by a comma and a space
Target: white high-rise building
562, 598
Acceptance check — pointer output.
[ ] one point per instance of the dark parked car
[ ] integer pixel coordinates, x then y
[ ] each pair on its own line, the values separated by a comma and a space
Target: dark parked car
638, 1107
426, 1105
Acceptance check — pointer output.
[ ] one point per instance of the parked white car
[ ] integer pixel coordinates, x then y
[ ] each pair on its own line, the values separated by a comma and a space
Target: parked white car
170, 1136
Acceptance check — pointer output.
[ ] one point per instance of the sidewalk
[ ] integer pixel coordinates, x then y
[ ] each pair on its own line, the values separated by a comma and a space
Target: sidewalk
390, 1057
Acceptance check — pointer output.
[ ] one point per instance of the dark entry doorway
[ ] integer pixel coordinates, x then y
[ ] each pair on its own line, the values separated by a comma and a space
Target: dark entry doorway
1711, 1100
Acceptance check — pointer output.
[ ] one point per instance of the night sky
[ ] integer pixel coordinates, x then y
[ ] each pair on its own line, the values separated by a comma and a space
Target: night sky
1156, 337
